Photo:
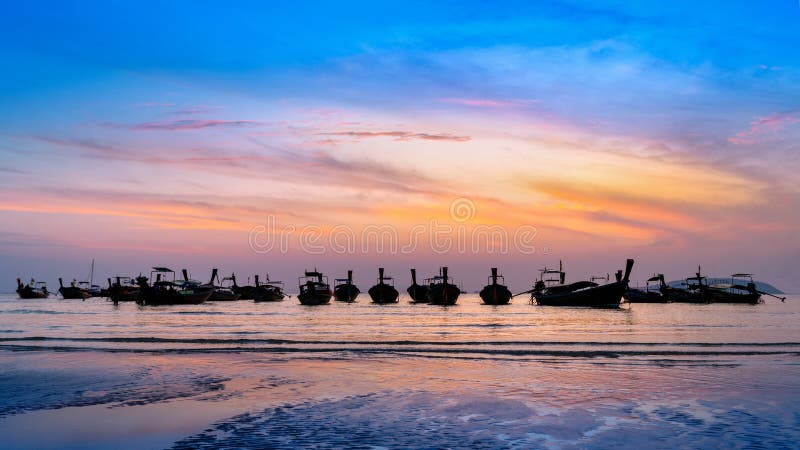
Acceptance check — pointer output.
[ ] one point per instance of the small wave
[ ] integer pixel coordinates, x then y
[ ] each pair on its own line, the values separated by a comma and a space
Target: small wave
413, 351
245, 341
43, 311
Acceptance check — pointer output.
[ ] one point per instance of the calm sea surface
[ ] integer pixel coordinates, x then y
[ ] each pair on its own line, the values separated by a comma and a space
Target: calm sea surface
90, 374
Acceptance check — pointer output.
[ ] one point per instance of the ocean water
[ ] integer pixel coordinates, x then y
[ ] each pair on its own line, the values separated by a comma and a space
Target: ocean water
90, 374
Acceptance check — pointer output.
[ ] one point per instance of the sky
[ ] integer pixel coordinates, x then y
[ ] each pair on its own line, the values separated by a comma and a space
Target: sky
264, 137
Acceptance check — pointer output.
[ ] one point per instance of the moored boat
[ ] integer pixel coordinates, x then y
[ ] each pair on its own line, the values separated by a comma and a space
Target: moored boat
344, 290
741, 289
495, 293
384, 291
244, 292
160, 291
581, 293
417, 292
123, 289
441, 291
678, 295
270, 291
314, 289
72, 292
34, 289
650, 294
220, 293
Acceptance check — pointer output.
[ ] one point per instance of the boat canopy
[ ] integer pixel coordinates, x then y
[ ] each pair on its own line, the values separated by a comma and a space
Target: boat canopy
162, 269
742, 275
654, 278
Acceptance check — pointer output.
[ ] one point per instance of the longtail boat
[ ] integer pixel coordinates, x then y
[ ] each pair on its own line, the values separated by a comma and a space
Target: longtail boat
123, 289
220, 293
555, 291
650, 294
417, 292
314, 289
741, 289
34, 289
74, 291
269, 291
384, 291
441, 291
344, 290
495, 293
245, 292
161, 291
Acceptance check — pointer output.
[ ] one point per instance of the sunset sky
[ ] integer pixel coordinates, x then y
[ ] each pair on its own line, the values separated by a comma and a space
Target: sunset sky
162, 133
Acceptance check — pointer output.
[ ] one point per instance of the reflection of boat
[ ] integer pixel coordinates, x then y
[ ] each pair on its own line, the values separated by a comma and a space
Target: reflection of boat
34, 289
383, 292
418, 293
650, 294
270, 291
160, 291
314, 289
495, 293
555, 292
73, 291
245, 292
441, 291
123, 289
344, 290
220, 293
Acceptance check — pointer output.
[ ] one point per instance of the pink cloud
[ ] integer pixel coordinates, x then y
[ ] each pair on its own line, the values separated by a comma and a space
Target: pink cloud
764, 126
192, 124
490, 103
399, 135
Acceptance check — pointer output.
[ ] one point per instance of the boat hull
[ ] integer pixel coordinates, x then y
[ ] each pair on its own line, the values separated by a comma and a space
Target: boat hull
444, 294
315, 298
676, 295
418, 293
383, 294
120, 294
30, 293
223, 296
604, 296
495, 294
260, 294
157, 297
346, 293
74, 293
639, 296
714, 296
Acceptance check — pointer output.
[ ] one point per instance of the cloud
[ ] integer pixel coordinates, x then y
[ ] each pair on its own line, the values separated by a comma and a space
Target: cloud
490, 103
399, 135
765, 126
187, 124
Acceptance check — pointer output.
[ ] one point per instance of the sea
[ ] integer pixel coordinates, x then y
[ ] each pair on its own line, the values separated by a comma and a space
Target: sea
92, 374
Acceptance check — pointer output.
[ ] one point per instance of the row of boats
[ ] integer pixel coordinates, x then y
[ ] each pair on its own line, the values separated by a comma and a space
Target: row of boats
162, 288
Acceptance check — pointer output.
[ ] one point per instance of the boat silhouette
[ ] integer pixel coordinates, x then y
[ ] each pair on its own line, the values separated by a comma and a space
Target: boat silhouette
441, 291
74, 291
495, 293
314, 289
344, 290
650, 294
270, 291
417, 292
34, 289
383, 292
245, 292
123, 289
220, 293
556, 292
160, 291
